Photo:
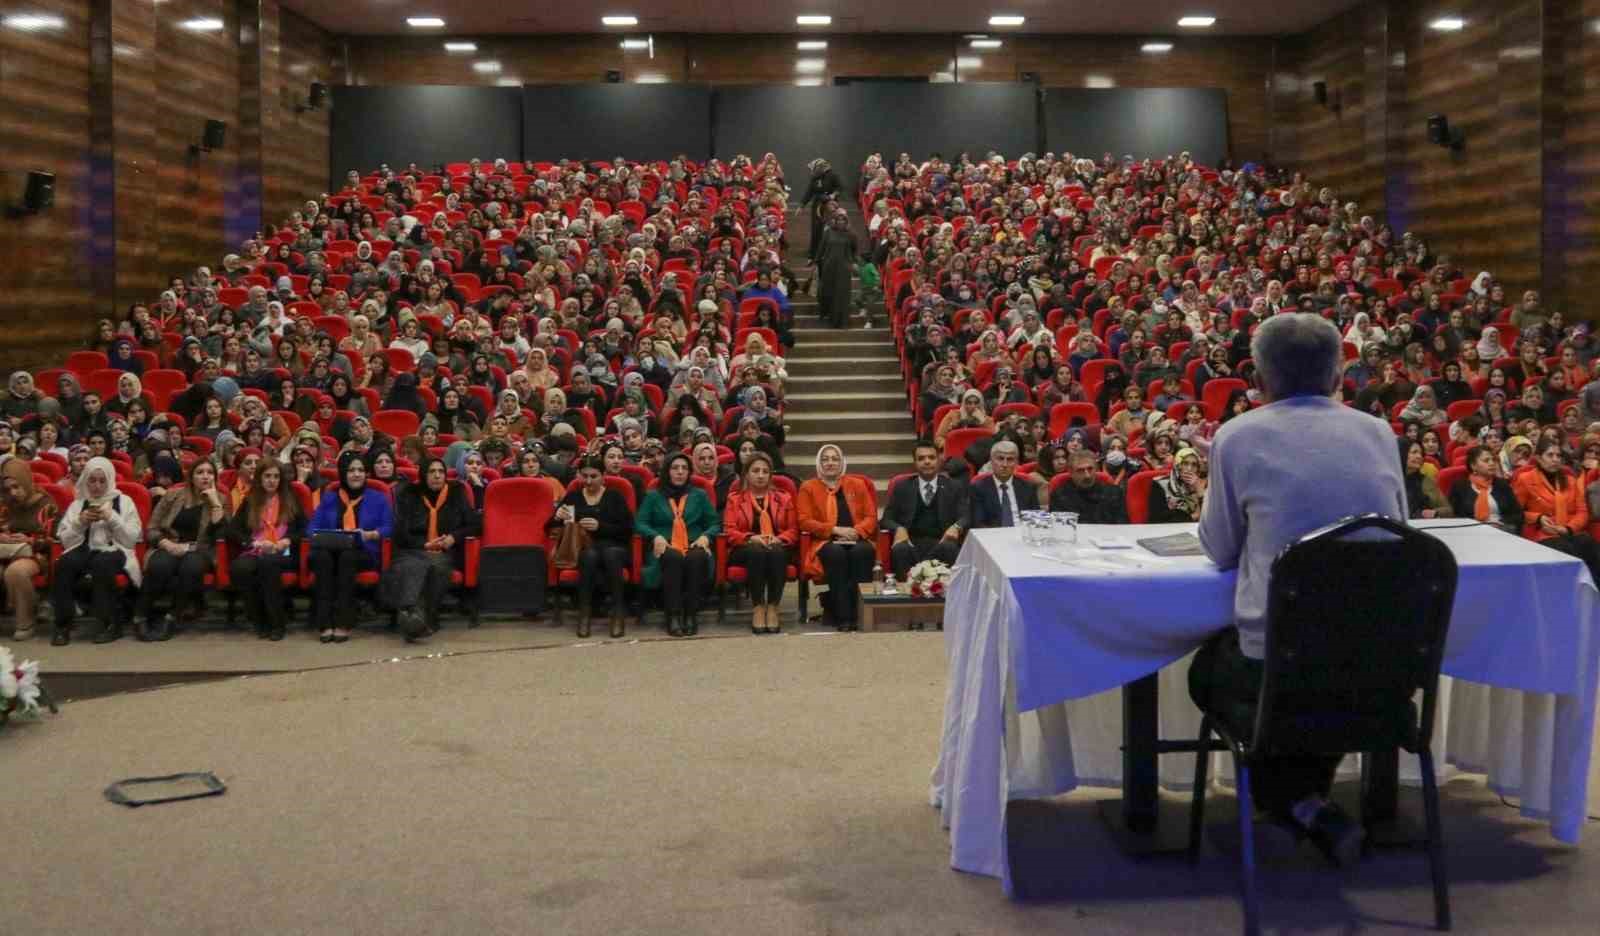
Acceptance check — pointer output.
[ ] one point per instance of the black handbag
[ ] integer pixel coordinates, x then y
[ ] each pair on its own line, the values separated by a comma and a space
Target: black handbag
335, 540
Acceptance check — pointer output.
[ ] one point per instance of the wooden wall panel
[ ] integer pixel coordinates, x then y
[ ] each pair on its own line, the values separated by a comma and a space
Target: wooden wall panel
295, 152
1572, 201
46, 279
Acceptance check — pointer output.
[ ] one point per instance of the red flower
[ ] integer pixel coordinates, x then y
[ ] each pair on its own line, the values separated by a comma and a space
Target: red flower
936, 589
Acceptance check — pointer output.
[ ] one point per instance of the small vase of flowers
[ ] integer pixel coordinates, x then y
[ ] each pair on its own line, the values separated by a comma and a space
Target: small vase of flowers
928, 579
21, 693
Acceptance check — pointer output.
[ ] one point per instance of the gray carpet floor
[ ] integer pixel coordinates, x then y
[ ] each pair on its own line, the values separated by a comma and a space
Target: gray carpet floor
744, 786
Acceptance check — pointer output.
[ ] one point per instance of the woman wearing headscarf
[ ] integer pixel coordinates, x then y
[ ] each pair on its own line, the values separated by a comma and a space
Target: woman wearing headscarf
1515, 454
183, 527
1177, 497
404, 396
1362, 332
541, 376
1489, 347
762, 527
454, 418
121, 356
27, 516
678, 524
1555, 511
604, 513
970, 415
265, 530
289, 398
768, 419
97, 535
351, 507
433, 519
1423, 409
129, 389
839, 511
21, 399
69, 393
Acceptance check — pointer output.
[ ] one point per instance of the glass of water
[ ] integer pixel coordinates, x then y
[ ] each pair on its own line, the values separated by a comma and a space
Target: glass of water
1066, 527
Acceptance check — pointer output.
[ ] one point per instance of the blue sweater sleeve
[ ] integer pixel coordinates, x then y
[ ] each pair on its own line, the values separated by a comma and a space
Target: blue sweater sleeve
327, 515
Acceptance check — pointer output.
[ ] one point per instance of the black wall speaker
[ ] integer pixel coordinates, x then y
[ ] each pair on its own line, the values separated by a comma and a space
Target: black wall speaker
1030, 77
614, 75
40, 192
1319, 90
216, 133
1440, 133
318, 95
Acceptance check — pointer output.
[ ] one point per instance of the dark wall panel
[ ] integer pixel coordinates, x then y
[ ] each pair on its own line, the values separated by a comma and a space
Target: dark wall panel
1138, 121
422, 124
601, 121
844, 124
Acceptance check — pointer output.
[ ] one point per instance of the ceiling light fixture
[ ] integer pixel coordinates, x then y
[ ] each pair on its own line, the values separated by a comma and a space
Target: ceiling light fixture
813, 19
810, 64
34, 22
202, 24
1448, 24
1198, 21
986, 43
811, 45
620, 20
965, 62
808, 82
635, 45
461, 47
490, 67
1007, 19
1156, 47
424, 22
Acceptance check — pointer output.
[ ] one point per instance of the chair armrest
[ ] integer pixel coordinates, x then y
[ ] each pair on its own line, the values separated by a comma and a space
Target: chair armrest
385, 554
884, 542
474, 553
721, 547
224, 576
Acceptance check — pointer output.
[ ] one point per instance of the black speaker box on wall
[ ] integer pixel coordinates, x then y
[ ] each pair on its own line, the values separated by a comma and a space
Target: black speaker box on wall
216, 133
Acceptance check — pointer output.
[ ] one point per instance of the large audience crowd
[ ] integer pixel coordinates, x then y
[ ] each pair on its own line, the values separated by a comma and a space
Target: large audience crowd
339, 405
1097, 315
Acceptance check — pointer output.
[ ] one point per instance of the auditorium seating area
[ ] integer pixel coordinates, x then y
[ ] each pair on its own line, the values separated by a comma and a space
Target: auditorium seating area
1109, 306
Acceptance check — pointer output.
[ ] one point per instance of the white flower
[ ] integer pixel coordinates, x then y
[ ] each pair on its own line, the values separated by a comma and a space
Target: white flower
8, 678
28, 685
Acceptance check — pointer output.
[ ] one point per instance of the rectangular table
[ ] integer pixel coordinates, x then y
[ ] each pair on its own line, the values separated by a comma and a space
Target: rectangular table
880, 612
1035, 645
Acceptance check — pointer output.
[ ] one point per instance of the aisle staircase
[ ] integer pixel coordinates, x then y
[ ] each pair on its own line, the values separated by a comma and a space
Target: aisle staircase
844, 385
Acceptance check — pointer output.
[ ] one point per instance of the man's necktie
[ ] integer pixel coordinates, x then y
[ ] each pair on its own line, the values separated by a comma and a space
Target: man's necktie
927, 493
1005, 505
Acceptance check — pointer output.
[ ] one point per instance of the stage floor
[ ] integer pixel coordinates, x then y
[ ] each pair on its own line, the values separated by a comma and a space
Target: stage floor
743, 785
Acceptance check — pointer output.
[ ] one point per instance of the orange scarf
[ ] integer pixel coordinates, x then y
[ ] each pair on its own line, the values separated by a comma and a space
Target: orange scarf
433, 512
766, 518
268, 526
680, 530
349, 522
1480, 509
1558, 496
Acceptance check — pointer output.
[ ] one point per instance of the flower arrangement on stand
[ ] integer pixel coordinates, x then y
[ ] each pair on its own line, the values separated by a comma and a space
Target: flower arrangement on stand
928, 579
20, 689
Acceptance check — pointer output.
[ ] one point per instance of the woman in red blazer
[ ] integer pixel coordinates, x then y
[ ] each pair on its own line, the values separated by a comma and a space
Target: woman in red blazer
1555, 511
840, 513
760, 524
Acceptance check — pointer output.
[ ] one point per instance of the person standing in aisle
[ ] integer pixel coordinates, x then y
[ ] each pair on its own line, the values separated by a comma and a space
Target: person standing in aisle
836, 262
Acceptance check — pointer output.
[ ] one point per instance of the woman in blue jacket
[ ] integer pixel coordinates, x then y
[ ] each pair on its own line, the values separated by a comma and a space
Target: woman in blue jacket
351, 506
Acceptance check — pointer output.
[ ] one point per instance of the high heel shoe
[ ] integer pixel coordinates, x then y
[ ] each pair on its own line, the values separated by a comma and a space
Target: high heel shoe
758, 619
774, 620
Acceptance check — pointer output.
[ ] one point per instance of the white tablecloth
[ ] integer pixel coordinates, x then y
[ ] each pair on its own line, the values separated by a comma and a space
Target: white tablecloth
1036, 646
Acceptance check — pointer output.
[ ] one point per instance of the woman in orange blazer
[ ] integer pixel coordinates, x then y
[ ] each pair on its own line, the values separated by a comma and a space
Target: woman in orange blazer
760, 525
1554, 509
840, 513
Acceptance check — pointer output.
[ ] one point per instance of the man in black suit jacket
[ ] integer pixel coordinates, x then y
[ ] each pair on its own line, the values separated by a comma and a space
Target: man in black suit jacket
1093, 500
999, 499
926, 514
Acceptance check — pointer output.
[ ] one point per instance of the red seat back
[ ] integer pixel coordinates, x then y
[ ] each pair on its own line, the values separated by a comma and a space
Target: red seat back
516, 512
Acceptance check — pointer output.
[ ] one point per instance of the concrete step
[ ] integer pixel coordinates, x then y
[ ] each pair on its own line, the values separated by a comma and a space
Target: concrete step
851, 383
822, 403
871, 338
844, 365
815, 423
880, 356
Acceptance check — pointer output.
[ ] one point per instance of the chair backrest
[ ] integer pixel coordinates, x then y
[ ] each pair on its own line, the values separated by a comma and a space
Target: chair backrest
516, 512
1357, 616
1139, 495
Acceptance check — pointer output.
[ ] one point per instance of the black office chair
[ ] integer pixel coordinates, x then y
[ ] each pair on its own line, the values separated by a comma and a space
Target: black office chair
1355, 626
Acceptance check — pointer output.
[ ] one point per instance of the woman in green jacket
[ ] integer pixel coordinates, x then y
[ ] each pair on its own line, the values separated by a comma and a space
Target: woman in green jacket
678, 524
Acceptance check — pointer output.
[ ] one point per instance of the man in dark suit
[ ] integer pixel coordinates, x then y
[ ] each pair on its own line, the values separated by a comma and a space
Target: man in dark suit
925, 514
998, 500
1093, 500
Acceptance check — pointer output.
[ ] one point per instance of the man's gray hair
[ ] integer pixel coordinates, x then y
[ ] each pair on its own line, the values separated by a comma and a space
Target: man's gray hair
1297, 354
1005, 445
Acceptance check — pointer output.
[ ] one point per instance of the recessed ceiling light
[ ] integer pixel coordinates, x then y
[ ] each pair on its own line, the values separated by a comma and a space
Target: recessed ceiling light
1099, 81
808, 82
986, 43
1007, 19
1156, 47
1197, 22
508, 82
461, 47
813, 19
969, 61
811, 45
424, 22
650, 78
34, 22
490, 67
1448, 24
810, 64
635, 45
202, 24
620, 20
